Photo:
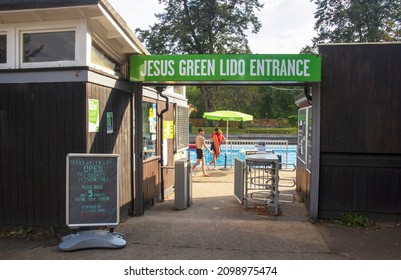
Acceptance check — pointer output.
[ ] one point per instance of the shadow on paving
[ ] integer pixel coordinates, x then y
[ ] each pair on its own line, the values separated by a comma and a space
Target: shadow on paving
217, 227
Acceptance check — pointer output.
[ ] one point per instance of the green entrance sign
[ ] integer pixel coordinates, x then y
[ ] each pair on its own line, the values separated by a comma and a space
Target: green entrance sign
226, 68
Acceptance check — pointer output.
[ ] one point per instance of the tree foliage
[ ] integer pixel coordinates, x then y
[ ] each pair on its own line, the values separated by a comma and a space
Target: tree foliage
216, 27
259, 101
202, 27
345, 21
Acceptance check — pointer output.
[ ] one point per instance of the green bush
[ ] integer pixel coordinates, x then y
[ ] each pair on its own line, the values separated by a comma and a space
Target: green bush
242, 124
20, 232
292, 120
354, 220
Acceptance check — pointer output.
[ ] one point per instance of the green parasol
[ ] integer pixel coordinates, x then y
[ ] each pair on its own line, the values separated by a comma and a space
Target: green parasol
227, 116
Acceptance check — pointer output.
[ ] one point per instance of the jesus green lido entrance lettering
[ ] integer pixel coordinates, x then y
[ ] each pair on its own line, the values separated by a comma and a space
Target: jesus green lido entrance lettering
226, 68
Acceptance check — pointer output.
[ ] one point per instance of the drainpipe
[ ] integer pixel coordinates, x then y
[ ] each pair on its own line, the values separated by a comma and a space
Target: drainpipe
160, 92
137, 157
132, 155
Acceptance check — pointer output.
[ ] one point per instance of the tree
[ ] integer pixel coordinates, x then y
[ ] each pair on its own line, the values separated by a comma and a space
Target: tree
345, 21
258, 101
194, 97
278, 102
309, 50
202, 27
236, 98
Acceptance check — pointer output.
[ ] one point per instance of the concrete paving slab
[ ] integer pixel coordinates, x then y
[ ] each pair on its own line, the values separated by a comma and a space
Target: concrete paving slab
217, 227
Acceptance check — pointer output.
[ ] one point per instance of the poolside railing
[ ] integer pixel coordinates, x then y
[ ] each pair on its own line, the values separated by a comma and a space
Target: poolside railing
280, 147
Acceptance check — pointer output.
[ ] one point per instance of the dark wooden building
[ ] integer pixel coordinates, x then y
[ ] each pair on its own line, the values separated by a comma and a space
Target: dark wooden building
57, 58
357, 135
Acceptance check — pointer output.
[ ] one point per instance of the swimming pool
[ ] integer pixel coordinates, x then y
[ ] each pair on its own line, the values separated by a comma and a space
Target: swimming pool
228, 158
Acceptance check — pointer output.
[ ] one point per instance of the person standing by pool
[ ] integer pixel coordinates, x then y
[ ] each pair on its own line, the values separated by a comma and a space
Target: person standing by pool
216, 139
200, 144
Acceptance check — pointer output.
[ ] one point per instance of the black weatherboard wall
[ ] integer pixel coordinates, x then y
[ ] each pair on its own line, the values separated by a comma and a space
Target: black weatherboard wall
360, 132
44, 109
39, 125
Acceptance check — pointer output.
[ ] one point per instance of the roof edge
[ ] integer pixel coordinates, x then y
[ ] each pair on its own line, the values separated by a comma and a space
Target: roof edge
8, 5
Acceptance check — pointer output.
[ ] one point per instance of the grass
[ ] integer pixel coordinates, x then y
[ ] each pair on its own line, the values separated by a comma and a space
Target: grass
353, 220
271, 130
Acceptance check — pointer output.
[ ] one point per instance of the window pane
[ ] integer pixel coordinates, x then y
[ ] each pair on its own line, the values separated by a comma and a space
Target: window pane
149, 129
182, 125
3, 48
49, 46
99, 58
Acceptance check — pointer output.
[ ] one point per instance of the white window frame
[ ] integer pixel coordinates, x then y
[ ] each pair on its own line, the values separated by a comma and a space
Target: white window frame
9, 32
2, 33
99, 67
106, 50
80, 38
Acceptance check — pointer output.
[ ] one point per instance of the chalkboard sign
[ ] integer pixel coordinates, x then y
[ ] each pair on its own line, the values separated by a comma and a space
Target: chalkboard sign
92, 190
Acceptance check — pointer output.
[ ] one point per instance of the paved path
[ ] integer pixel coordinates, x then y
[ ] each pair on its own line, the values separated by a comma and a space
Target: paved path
217, 227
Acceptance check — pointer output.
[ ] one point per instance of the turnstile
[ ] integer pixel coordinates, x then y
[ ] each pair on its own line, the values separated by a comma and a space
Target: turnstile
262, 181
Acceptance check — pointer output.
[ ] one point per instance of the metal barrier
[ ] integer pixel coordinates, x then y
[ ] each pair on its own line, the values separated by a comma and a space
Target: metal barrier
261, 183
249, 146
239, 173
257, 180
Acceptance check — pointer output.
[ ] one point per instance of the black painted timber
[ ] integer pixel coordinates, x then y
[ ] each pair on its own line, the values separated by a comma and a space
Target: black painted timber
360, 149
40, 124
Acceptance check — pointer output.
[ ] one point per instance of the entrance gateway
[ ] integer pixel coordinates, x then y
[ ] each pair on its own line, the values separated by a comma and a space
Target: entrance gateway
232, 69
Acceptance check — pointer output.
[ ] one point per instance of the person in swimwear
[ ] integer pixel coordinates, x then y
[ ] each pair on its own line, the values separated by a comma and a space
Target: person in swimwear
216, 139
200, 144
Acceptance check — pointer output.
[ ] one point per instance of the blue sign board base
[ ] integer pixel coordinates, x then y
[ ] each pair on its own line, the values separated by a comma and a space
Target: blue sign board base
91, 239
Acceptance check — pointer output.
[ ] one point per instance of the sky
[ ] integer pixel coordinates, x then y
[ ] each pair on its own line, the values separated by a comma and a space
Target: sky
287, 25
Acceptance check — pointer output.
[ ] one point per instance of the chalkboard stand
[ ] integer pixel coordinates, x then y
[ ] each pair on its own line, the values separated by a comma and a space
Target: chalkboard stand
92, 239
92, 200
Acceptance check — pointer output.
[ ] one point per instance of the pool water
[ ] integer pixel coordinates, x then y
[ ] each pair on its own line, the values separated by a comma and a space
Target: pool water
225, 159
